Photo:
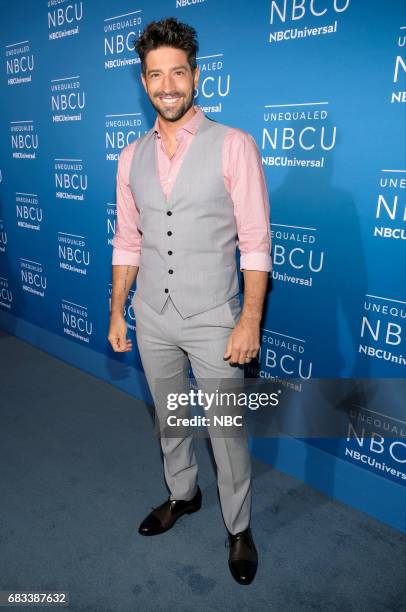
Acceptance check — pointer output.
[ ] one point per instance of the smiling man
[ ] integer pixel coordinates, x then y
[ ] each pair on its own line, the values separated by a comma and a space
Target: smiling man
188, 192
170, 106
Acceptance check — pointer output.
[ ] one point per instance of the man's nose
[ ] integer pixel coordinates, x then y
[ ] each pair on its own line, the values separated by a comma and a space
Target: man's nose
168, 82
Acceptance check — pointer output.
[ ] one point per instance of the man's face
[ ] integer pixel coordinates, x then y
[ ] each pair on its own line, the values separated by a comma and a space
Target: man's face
169, 82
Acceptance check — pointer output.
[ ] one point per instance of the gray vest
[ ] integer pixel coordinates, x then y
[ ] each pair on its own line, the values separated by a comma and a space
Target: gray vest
188, 249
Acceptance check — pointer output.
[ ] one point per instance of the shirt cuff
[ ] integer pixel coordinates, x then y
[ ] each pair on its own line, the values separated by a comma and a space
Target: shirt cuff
121, 257
256, 261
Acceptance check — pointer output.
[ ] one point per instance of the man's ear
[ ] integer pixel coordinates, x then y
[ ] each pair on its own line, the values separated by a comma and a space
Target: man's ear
196, 76
144, 82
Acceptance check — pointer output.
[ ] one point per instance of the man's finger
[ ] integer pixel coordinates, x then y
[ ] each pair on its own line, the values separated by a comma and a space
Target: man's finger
229, 348
241, 357
122, 342
235, 356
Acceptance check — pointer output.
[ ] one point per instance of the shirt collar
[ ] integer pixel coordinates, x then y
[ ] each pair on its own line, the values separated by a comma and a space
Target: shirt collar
191, 126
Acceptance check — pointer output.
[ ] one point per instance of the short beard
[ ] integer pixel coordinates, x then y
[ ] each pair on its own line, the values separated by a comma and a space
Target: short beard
172, 114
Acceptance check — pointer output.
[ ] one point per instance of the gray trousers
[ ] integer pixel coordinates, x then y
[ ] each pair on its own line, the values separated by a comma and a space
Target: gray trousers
168, 345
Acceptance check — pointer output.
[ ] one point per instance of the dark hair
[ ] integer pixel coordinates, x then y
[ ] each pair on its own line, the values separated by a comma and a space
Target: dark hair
167, 32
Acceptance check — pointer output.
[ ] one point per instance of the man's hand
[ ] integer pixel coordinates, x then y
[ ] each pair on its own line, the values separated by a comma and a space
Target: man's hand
123, 278
243, 342
117, 334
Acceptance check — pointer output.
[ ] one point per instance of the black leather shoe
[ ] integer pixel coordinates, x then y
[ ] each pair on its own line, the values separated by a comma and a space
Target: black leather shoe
243, 557
165, 516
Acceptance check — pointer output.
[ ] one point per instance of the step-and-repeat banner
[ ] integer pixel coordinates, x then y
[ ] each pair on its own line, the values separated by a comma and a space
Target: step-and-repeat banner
320, 84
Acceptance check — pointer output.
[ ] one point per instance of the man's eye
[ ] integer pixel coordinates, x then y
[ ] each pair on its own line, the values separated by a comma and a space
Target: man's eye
180, 72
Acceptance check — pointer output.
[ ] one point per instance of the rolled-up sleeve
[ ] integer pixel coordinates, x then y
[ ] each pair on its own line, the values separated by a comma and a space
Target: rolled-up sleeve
245, 181
127, 238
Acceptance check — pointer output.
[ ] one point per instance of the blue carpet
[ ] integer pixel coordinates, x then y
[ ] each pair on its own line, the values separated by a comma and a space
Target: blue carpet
80, 468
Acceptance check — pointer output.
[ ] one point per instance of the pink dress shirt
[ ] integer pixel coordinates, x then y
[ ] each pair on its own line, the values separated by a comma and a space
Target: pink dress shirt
243, 178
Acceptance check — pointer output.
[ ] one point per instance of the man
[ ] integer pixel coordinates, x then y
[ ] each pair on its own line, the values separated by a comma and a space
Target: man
188, 192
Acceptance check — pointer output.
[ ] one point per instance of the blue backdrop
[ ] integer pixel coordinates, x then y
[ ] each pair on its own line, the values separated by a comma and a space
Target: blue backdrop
321, 86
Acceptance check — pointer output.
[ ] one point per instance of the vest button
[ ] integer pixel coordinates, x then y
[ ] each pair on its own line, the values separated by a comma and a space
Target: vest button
169, 212
169, 233
166, 290
170, 252
170, 271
